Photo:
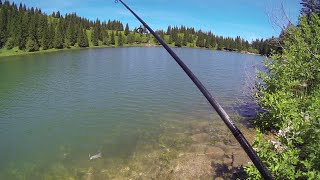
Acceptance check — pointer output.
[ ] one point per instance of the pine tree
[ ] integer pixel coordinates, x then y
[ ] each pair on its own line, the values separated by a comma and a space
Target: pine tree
112, 40
129, 38
45, 43
32, 45
86, 38
169, 30
207, 43
58, 37
106, 40
58, 14
82, 38
178, 42
184, 40
32, 42
95, 36
120, 40
51, 35
22, 34
126, 31
68, 36
3, 26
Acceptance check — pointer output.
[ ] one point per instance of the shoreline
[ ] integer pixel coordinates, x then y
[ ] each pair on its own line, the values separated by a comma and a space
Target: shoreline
17, 52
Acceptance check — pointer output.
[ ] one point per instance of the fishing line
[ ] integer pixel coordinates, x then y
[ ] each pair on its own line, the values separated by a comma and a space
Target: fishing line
222, 113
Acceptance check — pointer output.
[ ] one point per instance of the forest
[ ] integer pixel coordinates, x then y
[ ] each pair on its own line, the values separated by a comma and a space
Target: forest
30, 29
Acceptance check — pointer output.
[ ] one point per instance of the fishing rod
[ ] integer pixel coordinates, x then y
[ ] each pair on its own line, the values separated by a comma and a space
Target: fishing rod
222, 113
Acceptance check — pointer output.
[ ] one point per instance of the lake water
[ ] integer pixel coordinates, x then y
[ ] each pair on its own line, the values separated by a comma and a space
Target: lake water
56, 108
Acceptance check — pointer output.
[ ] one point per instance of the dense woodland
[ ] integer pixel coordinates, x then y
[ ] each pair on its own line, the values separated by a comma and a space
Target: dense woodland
30, 29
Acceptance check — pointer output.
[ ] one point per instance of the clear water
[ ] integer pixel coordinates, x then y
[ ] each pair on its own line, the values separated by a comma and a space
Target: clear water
56, 108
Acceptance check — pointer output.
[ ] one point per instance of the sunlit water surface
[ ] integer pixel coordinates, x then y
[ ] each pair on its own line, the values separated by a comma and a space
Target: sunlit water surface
56, 108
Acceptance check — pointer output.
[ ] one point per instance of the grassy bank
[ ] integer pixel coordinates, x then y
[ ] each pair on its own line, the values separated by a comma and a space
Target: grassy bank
17, 52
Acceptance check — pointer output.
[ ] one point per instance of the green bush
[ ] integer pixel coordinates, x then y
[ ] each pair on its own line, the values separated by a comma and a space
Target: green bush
290, 98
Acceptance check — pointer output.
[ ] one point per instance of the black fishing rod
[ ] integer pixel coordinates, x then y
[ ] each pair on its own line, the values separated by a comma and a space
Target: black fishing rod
222, 113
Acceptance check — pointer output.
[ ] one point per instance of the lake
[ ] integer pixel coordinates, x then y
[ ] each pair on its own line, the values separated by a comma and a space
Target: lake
134, 105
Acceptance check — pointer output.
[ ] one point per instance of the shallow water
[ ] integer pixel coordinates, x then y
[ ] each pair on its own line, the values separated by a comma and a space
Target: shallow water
56, 108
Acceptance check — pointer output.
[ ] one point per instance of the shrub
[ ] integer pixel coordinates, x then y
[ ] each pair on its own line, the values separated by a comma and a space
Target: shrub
290, 98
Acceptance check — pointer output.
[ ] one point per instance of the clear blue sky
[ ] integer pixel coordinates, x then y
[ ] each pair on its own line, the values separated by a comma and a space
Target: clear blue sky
248, 18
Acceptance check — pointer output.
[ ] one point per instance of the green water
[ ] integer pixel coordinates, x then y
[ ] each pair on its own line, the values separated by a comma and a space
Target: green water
56, 108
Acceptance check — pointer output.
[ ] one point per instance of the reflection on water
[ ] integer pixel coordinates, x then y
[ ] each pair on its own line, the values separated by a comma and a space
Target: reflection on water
134, 105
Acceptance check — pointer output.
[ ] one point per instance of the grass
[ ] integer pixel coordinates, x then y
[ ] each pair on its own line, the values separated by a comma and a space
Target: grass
17, 52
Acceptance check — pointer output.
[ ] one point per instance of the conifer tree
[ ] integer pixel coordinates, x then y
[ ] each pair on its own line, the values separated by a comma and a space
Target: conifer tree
95, 36
58, 37
58, 14
112, 40
45, 43
129, 38
31, 45
184, 40
3, 26
22, 36
106, 40
51, 35
32, 42
178, 42
86, 38
126, 31
120, 40
70, 39
82, 38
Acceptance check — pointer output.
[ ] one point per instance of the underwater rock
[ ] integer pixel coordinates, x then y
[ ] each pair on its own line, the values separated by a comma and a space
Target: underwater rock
200, 138
227, 161
215, 152
198, 148
190, 166
240, 158
201, 127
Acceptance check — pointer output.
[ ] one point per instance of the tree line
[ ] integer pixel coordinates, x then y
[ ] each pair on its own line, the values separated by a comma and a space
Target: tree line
30, 29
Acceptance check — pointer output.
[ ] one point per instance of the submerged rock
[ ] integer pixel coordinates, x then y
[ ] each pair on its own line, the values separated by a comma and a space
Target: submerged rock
240, 158
200, 138
198, 148
215, 152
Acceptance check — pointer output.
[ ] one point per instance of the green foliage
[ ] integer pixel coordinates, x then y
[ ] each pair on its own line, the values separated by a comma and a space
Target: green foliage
130, 38
290, 97
10, 43
178, 41
310, 6
58, 37
82, 38
120, 40
32, 45
95, 37
3, 25
57, 31
112, 40
126, 31
105, 40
